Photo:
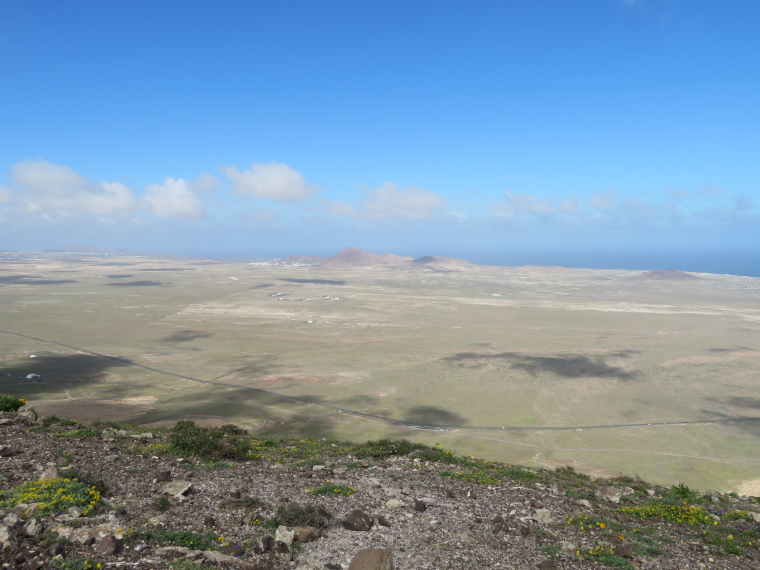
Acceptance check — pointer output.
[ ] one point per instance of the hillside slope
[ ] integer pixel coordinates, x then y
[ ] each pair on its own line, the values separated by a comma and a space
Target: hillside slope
419, 507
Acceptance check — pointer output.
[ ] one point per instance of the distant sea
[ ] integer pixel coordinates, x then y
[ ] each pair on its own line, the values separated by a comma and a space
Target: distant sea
719, 262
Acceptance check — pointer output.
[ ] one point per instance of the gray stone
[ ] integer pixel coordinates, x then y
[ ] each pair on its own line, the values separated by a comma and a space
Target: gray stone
11, 519
159, 520
611, 494
107, 546
306, 533
178, 552
282, 534
51, 472
74, 512
755, 517
33, 527
27, 415
281, 551
372, 559
8, 540
543, 516
584, 503
176, 488
357, 520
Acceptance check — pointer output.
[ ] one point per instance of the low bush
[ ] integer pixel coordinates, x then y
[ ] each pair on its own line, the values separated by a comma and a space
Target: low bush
295, 514
211, 444
10, 404
383, 448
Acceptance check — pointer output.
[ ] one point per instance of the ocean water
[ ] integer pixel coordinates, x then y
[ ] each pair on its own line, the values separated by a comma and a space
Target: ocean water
733, 262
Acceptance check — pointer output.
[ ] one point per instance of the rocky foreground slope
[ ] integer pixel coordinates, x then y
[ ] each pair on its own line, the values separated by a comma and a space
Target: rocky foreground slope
142, 500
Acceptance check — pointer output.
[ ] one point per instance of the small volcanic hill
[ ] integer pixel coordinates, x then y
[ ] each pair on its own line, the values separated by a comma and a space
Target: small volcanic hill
665, 275
352, 257
438, 262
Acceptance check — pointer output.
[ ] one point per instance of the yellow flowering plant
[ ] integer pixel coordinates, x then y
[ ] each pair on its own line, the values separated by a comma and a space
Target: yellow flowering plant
53, 496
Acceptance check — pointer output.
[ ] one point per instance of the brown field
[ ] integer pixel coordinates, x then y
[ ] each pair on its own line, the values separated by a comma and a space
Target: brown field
483, 353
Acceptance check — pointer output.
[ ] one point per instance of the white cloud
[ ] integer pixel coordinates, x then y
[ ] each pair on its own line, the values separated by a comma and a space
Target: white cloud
40, 186
272, 181
606, 201
711, 191
388, 203
408, 203
526, 204
177, 198
516, 203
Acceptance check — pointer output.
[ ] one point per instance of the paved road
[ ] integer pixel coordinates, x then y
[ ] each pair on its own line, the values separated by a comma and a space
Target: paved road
404, 423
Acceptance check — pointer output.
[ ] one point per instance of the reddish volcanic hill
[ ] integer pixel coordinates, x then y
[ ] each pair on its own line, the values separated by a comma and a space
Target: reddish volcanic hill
665, 275
352, 257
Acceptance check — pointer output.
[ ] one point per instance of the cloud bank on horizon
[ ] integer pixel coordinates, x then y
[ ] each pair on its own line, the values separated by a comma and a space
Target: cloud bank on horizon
608, 125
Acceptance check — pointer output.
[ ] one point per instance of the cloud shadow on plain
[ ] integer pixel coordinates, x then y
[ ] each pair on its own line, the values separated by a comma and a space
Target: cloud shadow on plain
186, 336
430, 415
32, 280
566, 366
137, 284
313, 281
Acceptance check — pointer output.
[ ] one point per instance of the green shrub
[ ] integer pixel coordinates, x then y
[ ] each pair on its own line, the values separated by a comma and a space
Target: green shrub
295, 514
89, 476
383, 448
161, 504
10, 404
211, 444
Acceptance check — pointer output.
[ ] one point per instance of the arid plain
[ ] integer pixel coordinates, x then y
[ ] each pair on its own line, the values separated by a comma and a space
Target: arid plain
483, 360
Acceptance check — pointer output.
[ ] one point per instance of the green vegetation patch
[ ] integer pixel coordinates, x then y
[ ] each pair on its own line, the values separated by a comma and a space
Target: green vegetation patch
53, 496
211, 444
679, 514
10, 404
473, 477
332, 490
208, 540
295, 514
604, 554
384, 448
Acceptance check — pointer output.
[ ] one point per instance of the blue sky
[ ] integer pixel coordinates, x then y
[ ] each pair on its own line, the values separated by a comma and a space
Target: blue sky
514, 132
